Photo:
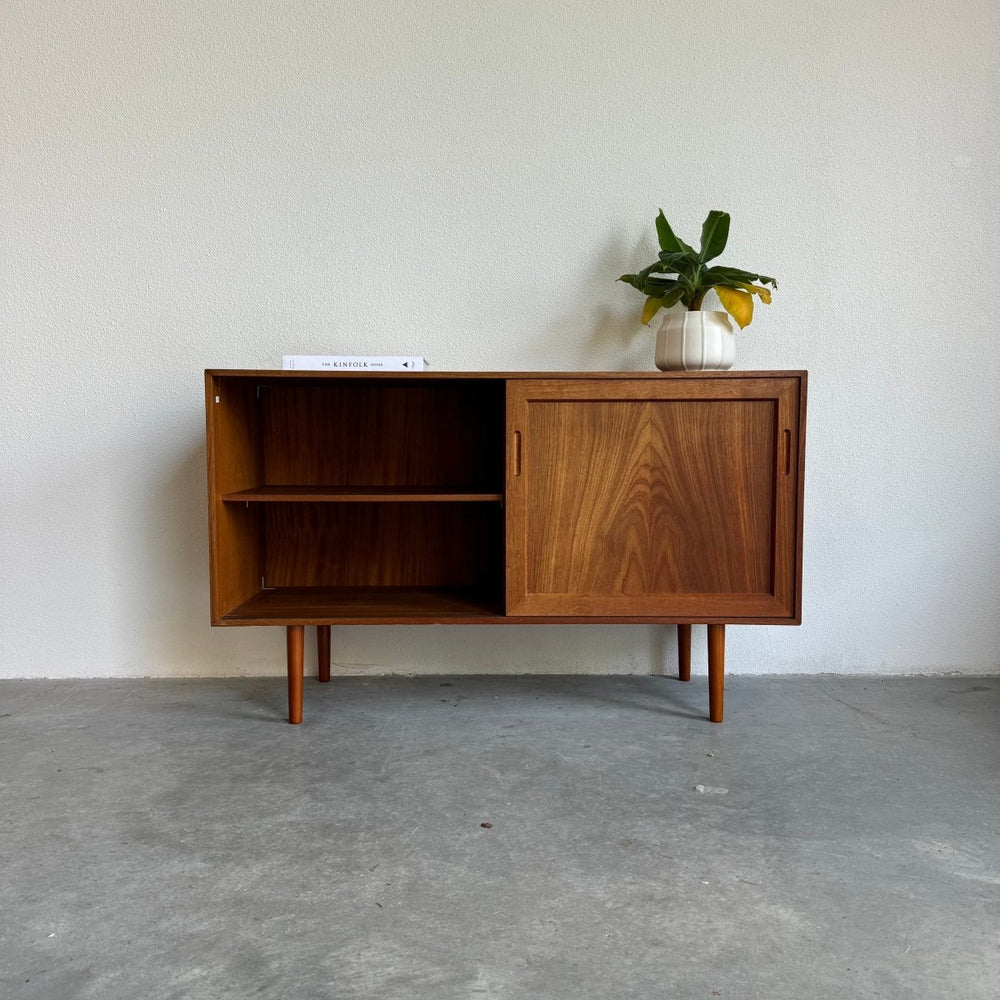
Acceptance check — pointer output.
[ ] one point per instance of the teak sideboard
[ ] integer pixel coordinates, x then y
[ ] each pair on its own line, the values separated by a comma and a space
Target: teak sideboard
344, 498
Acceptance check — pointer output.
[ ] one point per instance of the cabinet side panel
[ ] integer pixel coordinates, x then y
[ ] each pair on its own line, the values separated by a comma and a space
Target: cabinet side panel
789, 495
233, 464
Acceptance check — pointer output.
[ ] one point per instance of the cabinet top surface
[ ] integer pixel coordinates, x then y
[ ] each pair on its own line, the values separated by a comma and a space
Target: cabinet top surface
417, 376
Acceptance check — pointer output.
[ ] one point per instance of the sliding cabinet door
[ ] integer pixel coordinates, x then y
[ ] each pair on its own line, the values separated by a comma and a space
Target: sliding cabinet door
670, 497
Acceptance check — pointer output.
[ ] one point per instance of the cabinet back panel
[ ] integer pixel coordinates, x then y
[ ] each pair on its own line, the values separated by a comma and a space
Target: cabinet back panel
384, 545
447, 434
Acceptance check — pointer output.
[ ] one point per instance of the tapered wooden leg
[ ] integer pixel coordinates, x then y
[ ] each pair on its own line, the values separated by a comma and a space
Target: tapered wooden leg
684, 652
295, 645
323, 651
716, 670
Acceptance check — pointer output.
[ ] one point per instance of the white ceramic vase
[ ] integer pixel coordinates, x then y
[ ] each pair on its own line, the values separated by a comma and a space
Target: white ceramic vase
697, 341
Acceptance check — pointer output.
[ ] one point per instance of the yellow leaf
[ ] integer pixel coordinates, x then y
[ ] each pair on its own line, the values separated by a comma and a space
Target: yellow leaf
738, 304
650, 309
764, 293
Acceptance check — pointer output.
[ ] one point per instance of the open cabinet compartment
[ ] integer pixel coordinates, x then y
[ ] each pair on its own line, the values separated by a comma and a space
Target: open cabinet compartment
336, 500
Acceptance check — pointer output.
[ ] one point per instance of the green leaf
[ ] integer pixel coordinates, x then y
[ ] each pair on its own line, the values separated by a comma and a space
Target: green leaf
672, 298
668, 241
684, 265
681, 274
647, 271
736, 274
714, 235
672, 263
657, 284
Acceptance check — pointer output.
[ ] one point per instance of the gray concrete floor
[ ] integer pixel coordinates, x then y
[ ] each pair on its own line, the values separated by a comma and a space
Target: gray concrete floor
508, 838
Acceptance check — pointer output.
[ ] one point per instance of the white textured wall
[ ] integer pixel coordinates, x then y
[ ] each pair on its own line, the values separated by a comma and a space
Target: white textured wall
189, 184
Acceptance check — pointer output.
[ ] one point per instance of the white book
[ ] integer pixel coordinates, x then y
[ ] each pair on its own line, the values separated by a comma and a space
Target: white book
350, 363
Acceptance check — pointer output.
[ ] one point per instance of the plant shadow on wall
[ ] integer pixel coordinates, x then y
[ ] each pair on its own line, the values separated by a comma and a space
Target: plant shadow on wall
605, 317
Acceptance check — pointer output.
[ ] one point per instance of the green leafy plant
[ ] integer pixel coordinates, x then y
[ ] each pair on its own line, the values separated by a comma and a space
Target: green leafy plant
693, 277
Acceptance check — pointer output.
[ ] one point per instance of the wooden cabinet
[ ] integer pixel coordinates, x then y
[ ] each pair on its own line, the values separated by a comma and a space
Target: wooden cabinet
356, 498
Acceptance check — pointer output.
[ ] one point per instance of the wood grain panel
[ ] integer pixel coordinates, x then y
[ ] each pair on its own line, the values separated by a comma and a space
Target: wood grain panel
357, 434
650, 498
232, 445
442, 605
275, 375
383, 545
667, 498
369, 605
357, 494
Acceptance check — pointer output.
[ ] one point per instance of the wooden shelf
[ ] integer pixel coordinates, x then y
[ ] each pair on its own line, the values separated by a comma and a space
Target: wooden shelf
359, 494
364, 605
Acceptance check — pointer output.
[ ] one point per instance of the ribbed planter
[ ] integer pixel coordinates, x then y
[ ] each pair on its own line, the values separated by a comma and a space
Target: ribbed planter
696, 341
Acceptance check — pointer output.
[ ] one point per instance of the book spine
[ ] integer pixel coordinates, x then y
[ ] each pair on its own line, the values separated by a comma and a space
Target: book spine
350, 363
